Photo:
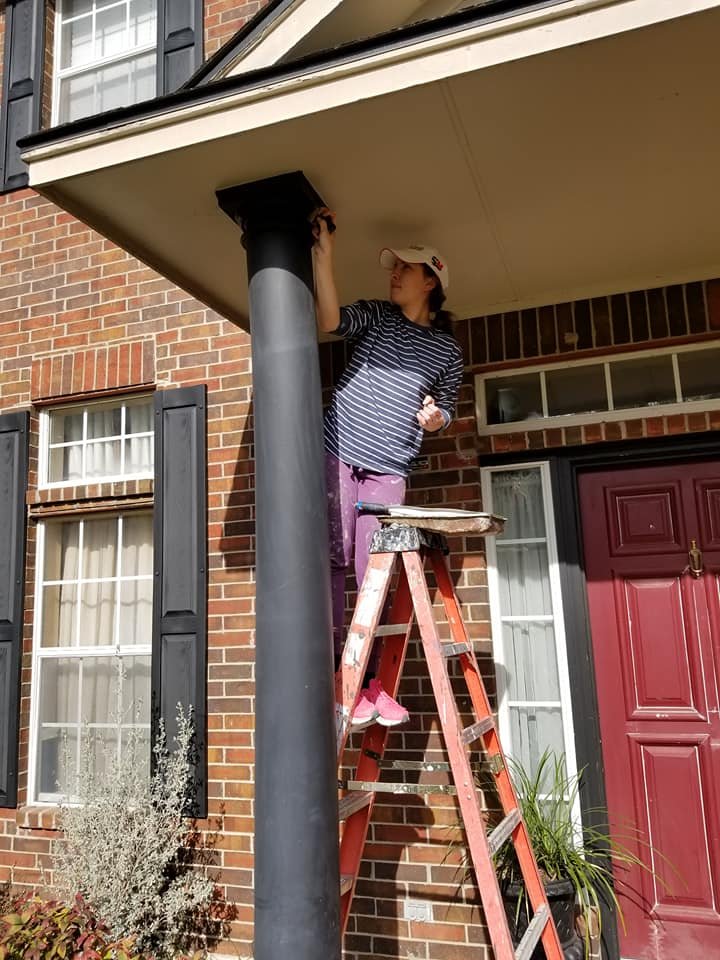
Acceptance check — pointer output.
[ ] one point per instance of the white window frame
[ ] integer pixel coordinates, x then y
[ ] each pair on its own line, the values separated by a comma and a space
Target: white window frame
604, 416
60, 74
40, 653
497, 620
44, 442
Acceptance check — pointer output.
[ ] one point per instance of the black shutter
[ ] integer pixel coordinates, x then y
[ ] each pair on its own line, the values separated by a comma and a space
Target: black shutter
22, 80
180, 42
13, 484
180, 591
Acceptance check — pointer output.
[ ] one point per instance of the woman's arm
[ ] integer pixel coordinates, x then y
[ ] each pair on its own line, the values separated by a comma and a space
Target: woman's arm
327, 306
439, 409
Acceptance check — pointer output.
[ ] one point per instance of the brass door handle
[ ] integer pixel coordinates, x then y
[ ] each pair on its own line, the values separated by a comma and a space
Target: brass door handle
696, 560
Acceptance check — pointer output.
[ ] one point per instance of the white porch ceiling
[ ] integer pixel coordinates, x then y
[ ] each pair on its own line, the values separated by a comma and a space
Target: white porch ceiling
580, 171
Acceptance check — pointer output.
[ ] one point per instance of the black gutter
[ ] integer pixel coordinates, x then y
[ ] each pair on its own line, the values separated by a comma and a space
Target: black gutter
347, 53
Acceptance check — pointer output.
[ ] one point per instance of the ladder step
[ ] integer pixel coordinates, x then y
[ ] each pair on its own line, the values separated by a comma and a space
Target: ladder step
373, 786
455, 649
346, 883
426, 766
390, 629
476, 730
532, 934
353, 802
503, 830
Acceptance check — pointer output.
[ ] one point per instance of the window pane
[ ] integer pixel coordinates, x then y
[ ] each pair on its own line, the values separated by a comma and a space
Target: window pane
135, 611
137, 552
65, 427
576, 390
104, 422
65, 464
61, 551
136, 690
73, 8
643, 382
100, 690
97, 614
111, 32
59, 686
57, 759
139, 418
700, 374
142, 22
524, 580
142, 78
535, 730
102, 459
513, 398
77, 43
530, 661
99, 547
517, 495
77, 97
112, 86
139, 455
58, 617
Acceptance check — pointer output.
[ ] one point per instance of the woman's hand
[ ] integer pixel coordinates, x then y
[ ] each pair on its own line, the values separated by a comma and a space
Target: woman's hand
324, 236
429, 416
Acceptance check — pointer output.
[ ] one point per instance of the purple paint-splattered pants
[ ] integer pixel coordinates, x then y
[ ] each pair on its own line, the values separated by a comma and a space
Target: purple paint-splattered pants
350, 532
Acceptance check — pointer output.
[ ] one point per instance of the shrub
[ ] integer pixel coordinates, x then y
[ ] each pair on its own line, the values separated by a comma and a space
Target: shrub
129, 849
6, 897
49, 930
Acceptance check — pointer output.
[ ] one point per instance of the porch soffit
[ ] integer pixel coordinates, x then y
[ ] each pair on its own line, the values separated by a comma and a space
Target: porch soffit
548, 162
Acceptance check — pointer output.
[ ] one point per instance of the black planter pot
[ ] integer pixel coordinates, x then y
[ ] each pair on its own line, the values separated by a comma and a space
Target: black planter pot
561, 897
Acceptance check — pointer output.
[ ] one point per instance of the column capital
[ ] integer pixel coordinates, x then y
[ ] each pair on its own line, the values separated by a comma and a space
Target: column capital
289, 197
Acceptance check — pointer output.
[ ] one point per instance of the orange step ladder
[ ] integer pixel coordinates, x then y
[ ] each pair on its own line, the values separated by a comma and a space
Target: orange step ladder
409, 547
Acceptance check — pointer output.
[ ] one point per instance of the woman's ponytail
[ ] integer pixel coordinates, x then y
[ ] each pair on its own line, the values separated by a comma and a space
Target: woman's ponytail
440, 319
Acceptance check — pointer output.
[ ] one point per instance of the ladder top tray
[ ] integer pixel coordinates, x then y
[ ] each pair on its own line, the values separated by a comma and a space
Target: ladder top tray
444, 520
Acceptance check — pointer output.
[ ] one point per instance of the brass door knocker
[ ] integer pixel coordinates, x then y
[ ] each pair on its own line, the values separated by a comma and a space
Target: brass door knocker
696, 560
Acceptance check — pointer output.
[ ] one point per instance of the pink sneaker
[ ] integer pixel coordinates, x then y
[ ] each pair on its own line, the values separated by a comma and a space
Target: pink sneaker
365, 712
389, 712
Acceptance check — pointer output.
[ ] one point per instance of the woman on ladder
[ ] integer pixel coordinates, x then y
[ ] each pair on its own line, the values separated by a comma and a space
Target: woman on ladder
401, 381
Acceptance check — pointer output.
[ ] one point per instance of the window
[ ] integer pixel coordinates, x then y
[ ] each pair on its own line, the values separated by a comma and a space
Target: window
93, 634
528, 632
93, 598
112, 440
105, 56
585, 391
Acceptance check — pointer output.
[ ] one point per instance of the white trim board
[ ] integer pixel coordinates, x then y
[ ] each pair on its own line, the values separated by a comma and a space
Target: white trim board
386, 71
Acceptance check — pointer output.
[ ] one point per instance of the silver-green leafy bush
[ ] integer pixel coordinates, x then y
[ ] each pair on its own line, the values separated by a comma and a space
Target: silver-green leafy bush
128, 847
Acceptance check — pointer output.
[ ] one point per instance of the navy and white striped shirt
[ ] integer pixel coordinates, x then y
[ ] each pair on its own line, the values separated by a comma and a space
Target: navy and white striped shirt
372, 419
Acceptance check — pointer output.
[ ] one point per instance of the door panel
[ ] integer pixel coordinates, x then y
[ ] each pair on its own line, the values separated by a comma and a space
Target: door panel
659, 635
656, 646
673, 784
645, 520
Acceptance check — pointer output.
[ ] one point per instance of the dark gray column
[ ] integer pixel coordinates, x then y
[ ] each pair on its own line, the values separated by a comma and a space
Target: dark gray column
296, 830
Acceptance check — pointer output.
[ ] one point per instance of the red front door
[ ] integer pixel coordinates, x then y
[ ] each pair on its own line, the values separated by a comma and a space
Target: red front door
656, 645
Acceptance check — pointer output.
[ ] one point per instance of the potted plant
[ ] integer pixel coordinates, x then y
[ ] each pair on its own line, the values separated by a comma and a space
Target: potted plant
574, 860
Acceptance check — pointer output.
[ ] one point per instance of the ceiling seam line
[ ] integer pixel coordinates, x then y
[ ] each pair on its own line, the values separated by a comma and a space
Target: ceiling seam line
469, 157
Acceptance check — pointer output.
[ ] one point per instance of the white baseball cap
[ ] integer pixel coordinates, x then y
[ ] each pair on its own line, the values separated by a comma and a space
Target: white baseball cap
417, 253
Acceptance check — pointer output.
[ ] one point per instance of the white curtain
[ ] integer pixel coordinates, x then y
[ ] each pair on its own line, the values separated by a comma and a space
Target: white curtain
102, 459
531, 671
105, 690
